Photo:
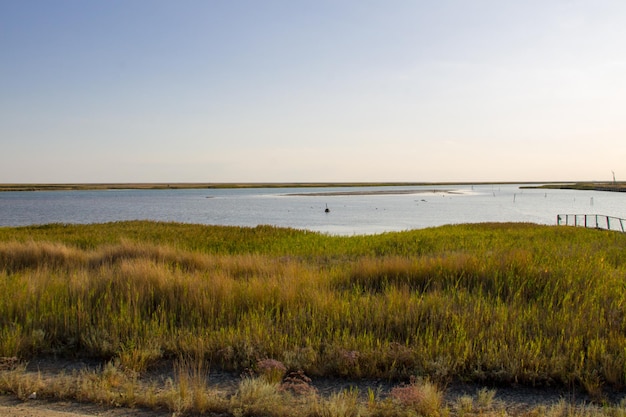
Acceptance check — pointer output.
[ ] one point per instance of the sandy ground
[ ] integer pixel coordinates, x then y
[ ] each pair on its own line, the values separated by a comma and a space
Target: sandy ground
375, 192
12, 407
514, 401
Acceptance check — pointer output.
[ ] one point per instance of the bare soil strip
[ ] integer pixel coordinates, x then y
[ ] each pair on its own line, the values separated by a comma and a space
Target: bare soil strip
12, 407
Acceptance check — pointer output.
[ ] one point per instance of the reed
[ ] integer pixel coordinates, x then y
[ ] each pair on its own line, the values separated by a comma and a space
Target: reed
506, 303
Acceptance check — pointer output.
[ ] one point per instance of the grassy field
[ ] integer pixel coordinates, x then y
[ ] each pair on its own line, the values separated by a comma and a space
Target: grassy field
488, 303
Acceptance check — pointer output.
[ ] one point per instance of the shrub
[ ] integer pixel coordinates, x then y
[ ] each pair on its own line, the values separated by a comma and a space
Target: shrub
424, 397
271, 370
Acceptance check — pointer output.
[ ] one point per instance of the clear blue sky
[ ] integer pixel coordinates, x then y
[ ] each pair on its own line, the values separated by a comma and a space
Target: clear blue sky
325, 90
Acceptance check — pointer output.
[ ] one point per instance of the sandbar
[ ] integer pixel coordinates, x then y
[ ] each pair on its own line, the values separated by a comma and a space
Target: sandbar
373, 192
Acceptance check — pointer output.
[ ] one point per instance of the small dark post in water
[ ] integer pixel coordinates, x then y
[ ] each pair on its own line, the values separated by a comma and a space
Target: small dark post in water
327, 209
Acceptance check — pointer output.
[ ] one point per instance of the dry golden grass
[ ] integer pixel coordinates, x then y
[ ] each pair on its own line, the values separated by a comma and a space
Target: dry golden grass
499, 303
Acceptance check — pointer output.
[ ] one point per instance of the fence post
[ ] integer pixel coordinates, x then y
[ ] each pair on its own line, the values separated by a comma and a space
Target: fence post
587, 218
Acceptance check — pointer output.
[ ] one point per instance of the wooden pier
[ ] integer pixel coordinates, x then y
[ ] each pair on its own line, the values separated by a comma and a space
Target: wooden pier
593, 221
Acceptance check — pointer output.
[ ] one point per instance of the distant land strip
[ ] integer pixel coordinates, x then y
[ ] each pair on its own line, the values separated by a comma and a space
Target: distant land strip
215, 185
591, 186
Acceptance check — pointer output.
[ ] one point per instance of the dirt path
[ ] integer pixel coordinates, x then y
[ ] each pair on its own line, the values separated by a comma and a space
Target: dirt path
12, 407
515, 402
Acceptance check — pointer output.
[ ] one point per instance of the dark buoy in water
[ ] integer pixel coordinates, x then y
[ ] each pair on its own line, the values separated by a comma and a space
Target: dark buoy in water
327, 209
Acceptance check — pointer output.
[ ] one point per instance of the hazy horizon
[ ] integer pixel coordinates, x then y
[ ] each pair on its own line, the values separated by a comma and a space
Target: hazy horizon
192, 91
271, 184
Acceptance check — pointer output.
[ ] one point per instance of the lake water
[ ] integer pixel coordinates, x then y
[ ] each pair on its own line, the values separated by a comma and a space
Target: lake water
424, 206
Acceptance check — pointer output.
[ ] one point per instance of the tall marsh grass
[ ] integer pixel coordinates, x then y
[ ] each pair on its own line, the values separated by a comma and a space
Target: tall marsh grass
492, 302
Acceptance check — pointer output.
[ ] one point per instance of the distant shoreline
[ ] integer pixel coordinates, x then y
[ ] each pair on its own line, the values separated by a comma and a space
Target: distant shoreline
218, 185
588, 186
591, 185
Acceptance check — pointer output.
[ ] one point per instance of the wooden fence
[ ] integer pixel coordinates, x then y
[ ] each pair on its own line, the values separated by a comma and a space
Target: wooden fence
594, 221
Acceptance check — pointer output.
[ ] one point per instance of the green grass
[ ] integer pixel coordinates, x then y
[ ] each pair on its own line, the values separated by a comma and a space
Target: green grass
506, 303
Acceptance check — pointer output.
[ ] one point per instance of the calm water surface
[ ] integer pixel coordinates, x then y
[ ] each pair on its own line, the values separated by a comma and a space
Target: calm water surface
349, 214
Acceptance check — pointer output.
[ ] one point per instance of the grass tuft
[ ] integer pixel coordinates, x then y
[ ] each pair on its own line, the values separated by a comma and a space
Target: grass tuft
424, 397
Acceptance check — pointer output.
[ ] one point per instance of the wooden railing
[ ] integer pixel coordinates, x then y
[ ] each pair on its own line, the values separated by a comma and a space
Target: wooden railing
594, 221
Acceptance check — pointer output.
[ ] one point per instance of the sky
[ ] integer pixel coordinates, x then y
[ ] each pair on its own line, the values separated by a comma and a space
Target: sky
306, 91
